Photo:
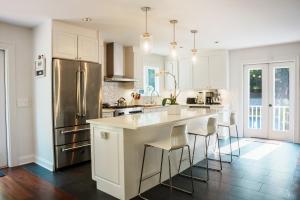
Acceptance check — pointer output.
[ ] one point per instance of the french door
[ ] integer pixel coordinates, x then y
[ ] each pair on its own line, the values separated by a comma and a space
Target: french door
3, 148
269, 99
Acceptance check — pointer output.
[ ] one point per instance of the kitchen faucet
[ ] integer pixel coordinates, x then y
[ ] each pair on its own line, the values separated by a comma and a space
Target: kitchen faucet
152, 93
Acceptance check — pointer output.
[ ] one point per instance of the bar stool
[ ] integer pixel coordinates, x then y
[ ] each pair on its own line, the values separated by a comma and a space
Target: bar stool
206, 133
232, 122
177, 140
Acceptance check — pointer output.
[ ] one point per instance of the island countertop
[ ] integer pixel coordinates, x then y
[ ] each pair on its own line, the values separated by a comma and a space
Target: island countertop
150, 119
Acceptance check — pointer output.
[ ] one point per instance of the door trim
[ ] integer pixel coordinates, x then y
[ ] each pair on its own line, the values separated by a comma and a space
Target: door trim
10, 99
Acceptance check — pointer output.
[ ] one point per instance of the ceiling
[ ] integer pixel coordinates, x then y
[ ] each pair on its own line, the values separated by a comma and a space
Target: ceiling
234, 23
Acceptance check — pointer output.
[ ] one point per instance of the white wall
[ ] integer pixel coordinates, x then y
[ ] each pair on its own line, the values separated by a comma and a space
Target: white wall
42, 92
284, 52
20, 39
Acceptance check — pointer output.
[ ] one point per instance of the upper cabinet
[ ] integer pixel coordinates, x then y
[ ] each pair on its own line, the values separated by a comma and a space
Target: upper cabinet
218, 71
209, 72
87, 48
72, 42
185, 71
201, 73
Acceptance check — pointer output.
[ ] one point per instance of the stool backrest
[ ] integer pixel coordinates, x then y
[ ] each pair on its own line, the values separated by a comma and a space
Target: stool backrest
178, 136
212, 125
232, 118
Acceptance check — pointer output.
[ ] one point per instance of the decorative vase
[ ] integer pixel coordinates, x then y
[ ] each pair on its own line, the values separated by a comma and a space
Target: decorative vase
174, 109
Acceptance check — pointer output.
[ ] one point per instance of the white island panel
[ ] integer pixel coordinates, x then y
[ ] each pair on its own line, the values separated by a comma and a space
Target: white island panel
118, 144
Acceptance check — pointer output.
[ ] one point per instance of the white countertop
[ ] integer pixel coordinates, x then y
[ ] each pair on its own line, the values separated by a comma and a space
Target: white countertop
150, 119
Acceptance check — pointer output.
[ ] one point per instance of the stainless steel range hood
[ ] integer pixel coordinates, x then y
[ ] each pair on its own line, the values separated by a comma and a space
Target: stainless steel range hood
115, 68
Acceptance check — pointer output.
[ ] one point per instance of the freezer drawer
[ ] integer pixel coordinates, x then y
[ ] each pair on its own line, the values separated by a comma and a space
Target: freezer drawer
72, 134
67, 155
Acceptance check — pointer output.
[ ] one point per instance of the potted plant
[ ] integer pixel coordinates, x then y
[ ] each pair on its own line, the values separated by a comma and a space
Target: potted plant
174, 108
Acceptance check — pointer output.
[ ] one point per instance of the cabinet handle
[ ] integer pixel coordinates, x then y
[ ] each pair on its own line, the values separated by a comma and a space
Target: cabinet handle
104, 135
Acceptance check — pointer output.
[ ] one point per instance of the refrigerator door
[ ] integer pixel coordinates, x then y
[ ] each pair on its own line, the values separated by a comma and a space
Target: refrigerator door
66, 91
91, 101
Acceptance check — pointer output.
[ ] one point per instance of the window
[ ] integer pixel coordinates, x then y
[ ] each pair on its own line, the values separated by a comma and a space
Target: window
151, 81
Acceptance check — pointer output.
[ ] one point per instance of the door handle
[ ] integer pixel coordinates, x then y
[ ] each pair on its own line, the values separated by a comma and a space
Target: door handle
83, 114
270, 105
74, 148
74, 130
78, 80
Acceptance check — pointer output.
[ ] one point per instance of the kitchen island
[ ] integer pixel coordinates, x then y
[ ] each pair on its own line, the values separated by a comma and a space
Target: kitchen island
117, 148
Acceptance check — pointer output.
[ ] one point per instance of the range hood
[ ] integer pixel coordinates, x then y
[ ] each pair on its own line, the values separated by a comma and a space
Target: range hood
115, 68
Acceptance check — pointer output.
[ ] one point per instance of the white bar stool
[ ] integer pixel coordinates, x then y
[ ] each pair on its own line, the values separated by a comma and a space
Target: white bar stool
210, 130
177, 140
232, 122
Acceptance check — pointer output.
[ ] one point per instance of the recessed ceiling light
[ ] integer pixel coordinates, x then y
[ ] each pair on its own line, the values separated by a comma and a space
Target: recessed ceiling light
217, 42
86, 19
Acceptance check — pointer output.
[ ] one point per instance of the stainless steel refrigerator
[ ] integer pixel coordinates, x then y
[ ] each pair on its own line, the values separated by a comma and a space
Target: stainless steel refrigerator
76, 98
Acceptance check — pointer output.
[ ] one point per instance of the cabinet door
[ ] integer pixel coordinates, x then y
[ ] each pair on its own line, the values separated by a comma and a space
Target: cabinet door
64, 45
218, 72
201, 73
185, 73
88, 48
106, 155
170, 66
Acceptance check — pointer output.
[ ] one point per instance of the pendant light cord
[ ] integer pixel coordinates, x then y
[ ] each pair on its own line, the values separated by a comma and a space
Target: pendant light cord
194, 40
173, 32
146, 20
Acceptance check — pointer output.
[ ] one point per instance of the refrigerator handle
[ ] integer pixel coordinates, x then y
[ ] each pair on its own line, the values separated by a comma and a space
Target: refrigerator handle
78, 95
84, 94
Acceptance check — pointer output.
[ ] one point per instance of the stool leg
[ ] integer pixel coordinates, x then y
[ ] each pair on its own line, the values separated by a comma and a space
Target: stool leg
238, 139
180, 160
191, 167
194, 149
141, 177
161, 164
170, 176
219, 151
230, 143
206, 153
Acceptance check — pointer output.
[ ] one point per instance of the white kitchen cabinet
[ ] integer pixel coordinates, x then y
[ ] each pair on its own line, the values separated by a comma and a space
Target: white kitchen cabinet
107, 144
64, 45
209, 72
201, 73
87, 48
172, 67
73, 42
185, 74
218, 71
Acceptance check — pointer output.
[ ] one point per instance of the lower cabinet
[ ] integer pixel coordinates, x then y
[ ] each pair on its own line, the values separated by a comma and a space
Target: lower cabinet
106, 142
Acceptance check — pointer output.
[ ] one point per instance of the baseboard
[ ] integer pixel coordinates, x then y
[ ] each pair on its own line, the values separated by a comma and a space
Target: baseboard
44, 163
26, 159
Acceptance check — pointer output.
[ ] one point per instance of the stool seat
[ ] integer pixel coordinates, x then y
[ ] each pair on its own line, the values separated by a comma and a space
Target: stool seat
225, 124
162, 144
200, 132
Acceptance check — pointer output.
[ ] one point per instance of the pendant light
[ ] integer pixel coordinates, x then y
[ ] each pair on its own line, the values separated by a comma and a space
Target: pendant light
194, 50
146, 40
173, 43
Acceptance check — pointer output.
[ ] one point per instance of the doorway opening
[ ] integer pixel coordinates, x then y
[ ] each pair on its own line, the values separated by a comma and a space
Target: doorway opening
269, 100
3, 129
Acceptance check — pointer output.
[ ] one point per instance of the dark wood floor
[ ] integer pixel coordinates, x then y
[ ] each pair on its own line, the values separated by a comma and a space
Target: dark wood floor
264, 171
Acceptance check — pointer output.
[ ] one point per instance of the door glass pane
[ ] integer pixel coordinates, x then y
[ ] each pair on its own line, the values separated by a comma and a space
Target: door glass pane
255, 99
281, 99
